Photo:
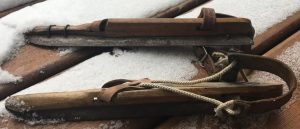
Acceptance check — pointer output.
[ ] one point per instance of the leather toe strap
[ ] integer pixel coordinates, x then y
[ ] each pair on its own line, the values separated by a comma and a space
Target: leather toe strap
246, 61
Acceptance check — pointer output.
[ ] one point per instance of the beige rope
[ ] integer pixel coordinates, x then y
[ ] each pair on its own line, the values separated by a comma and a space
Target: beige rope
206, 79
221, 106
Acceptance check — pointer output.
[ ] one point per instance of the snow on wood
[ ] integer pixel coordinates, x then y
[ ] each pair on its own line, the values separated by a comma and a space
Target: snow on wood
7, 4
262, 13
65, 12
6, 77
154, 63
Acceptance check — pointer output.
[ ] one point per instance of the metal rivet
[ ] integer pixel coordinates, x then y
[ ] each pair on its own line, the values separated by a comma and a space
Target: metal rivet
95, 99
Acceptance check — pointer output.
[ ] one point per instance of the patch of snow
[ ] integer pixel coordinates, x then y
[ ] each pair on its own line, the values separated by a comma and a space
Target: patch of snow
7, 4
3, 111
65, 12
153, 63
113, 124
262, 13
62, 51
6, 77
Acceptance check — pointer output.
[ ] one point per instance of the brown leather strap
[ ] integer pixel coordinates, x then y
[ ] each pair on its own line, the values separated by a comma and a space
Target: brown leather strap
246, 61
209, 18
111, 89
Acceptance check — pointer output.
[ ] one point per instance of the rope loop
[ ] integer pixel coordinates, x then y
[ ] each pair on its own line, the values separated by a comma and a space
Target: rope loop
221, 106
171, 86
228, 107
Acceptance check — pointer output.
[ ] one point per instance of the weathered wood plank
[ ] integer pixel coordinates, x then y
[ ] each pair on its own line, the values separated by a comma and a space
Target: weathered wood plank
276, 34
289, 116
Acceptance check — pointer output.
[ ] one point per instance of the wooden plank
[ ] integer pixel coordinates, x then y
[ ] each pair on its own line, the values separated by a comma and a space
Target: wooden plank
284, 45
36, 63
276, 34
289, 116
8, 11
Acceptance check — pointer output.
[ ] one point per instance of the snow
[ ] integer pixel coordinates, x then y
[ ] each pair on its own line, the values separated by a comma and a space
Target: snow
65, 12
6, 77
113, 124
62, 51
262, 13
155, 63
7, 4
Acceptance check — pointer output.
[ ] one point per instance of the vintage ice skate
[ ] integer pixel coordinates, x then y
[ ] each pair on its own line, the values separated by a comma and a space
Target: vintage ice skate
209, 29
221, 92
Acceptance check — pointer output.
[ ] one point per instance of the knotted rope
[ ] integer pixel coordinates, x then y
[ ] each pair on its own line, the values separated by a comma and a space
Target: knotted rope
221, 106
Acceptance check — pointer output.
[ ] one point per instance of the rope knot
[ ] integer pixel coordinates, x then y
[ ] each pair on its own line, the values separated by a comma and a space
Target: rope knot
231, 107
228, 107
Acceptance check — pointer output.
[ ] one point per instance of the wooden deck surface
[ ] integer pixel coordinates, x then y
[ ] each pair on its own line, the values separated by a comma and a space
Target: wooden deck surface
42, 62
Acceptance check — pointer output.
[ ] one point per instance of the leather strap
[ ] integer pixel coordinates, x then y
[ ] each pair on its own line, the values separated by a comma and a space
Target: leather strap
209, 18
112, 88
245, 61
254, 62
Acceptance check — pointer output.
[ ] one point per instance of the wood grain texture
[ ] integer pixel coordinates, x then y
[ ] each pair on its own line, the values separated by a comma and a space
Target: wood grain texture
35, 63
289, 116
276, 34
